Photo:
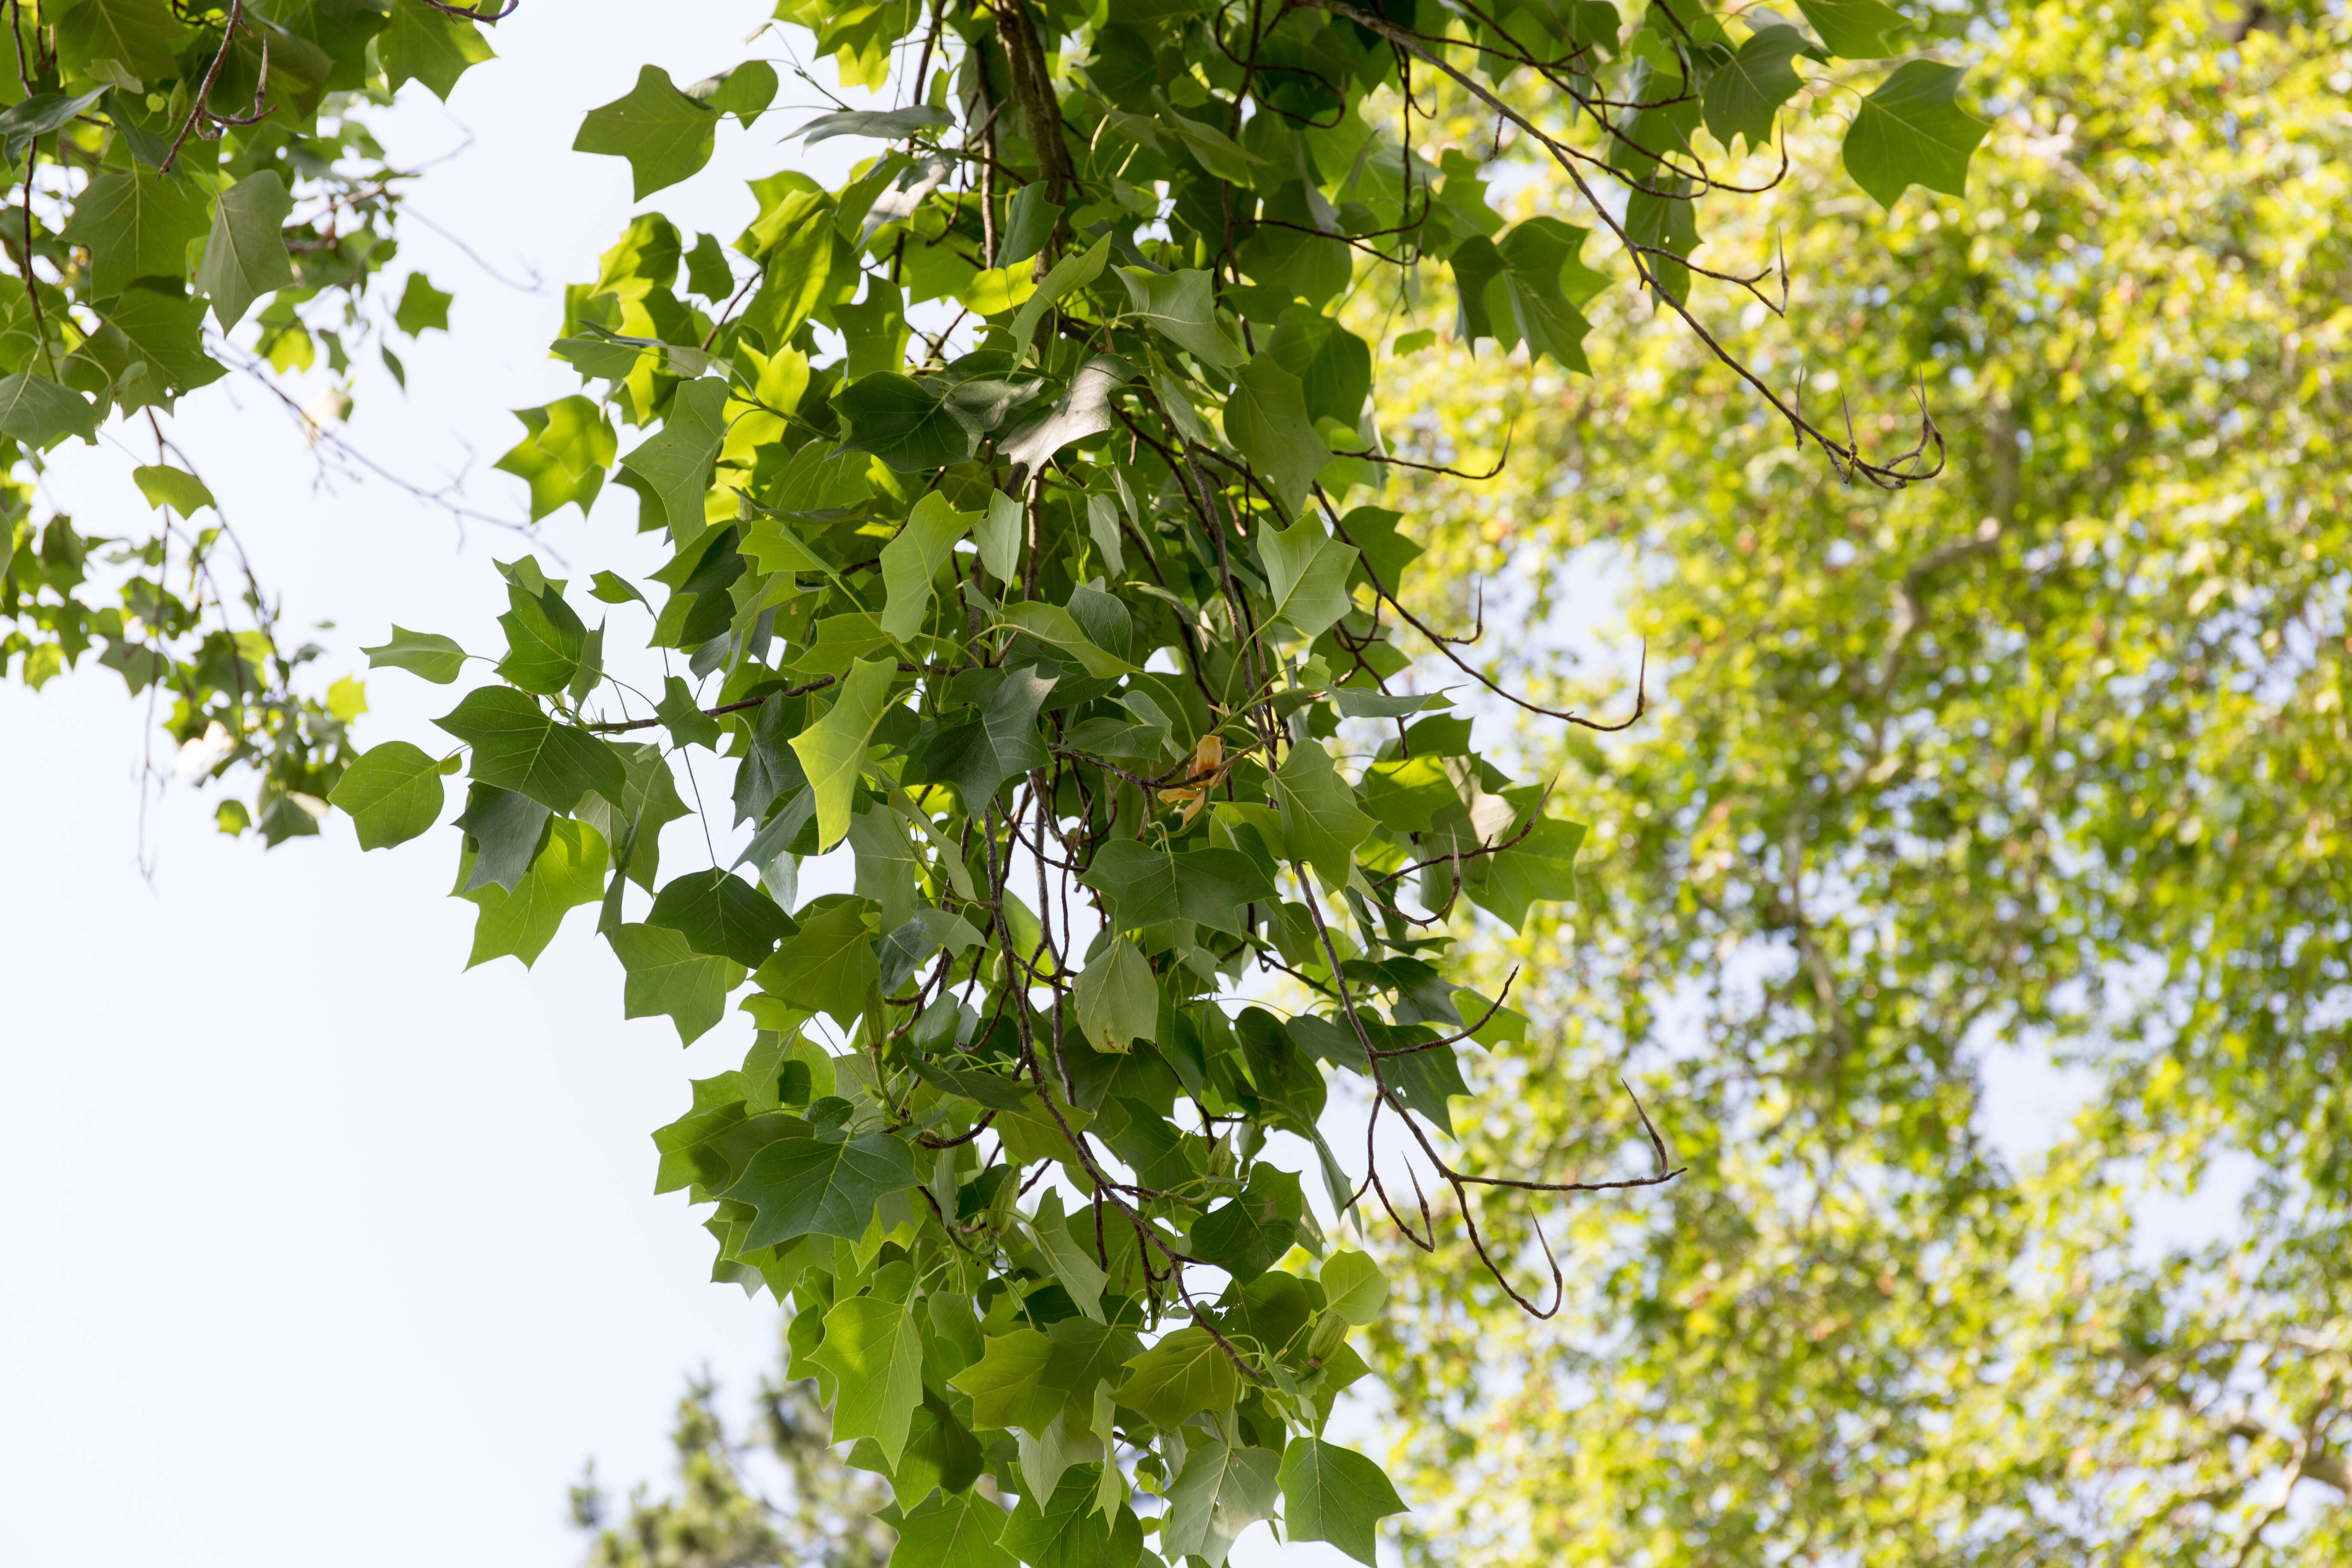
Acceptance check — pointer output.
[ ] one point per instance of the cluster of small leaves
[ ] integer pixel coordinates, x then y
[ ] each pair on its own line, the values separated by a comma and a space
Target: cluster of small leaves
171, 163
1008, 491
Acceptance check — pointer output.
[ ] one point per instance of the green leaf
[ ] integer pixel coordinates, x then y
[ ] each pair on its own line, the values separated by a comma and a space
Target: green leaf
977, 754
420, 44
142, 35
1073, 1264
41, 412
998, 535
245, 254
423, 307
814, 1186
1335, 1494
393, 793
833, 750
502, 831
683, 717
165, 327
829, 966
874, 1348
40, 114
164, 486
1083, 409
428, 654
1119, 999
1266, 419
1181, 307
1008, 1385
568, 871
1910, 131
722, 914
544, 639
675, 460
880, 124
744, 92
1055, 626
1334, 366
904, 422
1854, 29
668, 977
1244, 1234
632, 826
1148, 884
1182, 1375
914, 557
1066, 1532
1355, 1287
137, 224
517, 746
666, 135
1222, 1492
1540, 868
1544, 279
1029, 220
1074, 271
565, 449
1308, 571
1321, 823
952, 1529
1743, 94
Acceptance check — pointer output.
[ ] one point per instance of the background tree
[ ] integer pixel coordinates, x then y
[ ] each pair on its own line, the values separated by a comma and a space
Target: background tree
2043, 756
720, 1517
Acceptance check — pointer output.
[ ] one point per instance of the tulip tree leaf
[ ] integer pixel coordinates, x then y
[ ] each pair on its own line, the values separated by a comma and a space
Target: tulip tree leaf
1335, 1494
1911, 130
666, 135
393, 793
816, 1186
874, 1348
667, 978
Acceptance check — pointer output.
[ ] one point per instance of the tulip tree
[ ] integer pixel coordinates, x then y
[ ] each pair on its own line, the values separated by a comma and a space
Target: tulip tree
1021, 495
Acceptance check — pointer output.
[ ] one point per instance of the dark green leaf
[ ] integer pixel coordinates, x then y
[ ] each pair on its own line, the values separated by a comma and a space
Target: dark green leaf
722, 914
517, 746
1147, 884
502, 831
1266, 419
1066, 1532
1244, 1235
904, 422
958, 1530
814, 1187
977, 754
